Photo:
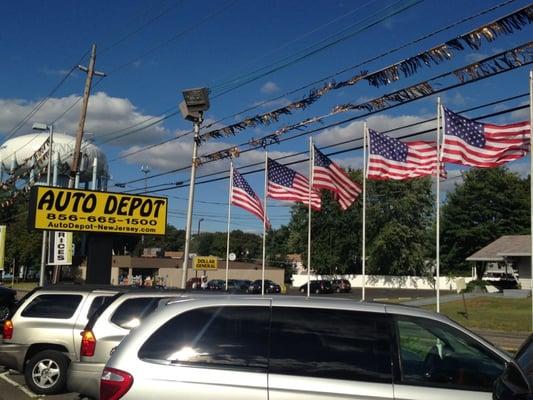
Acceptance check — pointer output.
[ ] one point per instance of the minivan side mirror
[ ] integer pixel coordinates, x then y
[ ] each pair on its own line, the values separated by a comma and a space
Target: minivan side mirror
512, 384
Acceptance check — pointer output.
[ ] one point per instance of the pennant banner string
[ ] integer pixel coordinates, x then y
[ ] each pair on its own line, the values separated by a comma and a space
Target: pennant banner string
504, 26
490, 66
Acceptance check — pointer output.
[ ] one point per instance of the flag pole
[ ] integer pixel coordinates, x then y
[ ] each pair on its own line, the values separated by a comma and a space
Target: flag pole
365, 130
229, 219
311, 162
264, 226
437, 205
531, 184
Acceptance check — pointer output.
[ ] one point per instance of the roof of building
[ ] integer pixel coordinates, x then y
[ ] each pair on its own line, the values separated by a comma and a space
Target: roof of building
505, 246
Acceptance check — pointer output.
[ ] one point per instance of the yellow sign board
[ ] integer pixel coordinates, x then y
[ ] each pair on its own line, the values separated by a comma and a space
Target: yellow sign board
60, 209
205, 263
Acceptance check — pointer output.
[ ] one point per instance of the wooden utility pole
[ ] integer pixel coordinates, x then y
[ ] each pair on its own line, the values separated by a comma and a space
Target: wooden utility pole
79, 134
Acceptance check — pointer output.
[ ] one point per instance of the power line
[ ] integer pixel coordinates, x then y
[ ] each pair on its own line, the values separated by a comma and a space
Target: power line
386, 107
388, 15
175, 37
384, 54
329, 154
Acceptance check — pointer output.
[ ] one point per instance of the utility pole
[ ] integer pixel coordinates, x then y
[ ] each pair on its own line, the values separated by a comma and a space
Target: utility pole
81, 126
79, 134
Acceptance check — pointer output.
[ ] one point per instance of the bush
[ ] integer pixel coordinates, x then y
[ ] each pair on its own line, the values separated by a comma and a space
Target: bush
476, 286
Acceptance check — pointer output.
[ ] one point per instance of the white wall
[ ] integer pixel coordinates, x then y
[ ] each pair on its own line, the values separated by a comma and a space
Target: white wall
386, 281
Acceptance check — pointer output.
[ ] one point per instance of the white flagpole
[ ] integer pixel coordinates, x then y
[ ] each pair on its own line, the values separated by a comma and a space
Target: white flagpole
229, 219
531, 183
437, 204
311, 162
365, 130
264, 225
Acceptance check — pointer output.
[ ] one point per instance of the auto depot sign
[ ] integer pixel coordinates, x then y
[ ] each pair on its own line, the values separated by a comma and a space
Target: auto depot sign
60, 209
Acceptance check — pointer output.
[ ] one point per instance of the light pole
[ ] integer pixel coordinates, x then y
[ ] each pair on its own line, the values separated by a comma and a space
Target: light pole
146, 170
192, 109
199, 222
50, 129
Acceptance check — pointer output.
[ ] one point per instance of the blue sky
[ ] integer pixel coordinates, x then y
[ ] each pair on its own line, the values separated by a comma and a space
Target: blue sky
153, 50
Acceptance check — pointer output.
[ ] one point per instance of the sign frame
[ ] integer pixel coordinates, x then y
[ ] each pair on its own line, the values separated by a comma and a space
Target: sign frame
78, 210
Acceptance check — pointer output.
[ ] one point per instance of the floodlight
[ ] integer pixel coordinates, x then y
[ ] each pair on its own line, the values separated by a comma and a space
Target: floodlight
196, 101
37, 126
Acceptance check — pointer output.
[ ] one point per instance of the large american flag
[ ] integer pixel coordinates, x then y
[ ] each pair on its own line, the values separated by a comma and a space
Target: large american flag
286, 184
476, 144
390, 158
242, 195
328, 175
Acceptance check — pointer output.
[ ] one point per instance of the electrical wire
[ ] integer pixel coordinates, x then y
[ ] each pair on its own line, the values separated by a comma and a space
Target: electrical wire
329, 154
311, 84
389, 107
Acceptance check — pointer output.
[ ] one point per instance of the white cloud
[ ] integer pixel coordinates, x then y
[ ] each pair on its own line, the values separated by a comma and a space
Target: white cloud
105, 116
379, 123
269, 88
54, 72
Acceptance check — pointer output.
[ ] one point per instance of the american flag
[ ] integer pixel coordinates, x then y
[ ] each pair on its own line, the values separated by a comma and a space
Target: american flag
242, 195
476, 144
328, 175
390, 158
286, 184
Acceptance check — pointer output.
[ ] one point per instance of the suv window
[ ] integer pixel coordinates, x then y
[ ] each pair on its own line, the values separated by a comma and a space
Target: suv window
98, 301
131, 312
435, 354
231, 336
61, 306
333, 344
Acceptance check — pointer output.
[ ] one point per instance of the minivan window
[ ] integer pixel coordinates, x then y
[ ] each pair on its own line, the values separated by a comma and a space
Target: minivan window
131, 312
231, 336
438, 355
61, 306
334, 344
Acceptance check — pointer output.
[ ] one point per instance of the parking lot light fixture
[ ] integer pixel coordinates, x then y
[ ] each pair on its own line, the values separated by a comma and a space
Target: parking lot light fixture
50, 128
192, 108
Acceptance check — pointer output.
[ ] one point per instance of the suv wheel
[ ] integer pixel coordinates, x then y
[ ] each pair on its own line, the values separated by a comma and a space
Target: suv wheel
46, 372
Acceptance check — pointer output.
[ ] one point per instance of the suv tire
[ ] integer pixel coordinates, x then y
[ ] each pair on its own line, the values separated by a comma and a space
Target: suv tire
46, 372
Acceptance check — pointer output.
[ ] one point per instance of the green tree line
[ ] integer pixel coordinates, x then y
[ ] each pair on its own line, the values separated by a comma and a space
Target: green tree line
400, 228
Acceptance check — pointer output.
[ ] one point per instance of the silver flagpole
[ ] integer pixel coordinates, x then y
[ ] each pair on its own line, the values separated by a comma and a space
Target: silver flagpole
311, 162
365, 130
531, 183
264, 225
229, 219
437, 204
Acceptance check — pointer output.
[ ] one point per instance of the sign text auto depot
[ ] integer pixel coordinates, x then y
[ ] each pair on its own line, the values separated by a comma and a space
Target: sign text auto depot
91, 211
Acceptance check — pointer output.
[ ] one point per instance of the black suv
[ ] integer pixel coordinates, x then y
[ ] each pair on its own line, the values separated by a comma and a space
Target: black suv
318, 287
270, 287
341, 285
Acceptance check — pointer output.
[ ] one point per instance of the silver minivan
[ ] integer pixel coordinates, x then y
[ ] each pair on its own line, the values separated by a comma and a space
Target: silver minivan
292, 348
104, 331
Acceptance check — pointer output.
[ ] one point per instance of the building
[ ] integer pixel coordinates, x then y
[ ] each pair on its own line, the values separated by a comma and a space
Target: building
167, 271
511, 253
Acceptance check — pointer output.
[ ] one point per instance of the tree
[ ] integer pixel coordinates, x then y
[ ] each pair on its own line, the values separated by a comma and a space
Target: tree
489, 203
399, 216
398, 222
